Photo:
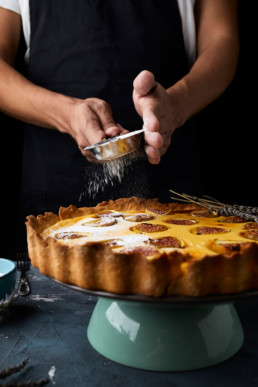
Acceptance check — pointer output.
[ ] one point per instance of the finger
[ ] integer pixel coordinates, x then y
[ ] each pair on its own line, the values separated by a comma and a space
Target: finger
152, 154
144, 83
153, 139
164, 148
95, 133
112, 131
104, 113
99, 123
150, 119
123, 130
115, 131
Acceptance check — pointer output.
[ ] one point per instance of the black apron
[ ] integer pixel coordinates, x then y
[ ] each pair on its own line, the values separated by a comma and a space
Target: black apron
95, 48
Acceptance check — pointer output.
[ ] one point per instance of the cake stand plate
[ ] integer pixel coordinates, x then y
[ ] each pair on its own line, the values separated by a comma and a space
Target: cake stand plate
165, 334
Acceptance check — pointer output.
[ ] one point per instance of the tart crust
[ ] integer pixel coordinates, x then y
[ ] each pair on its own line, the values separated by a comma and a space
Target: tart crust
175, 271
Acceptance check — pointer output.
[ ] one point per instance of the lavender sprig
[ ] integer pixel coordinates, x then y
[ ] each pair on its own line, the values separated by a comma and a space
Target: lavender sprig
13, 369
247, 213
16, 368
40, 382
5, 302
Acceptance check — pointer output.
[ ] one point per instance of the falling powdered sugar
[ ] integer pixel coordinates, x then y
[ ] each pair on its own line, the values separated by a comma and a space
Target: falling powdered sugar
98, 176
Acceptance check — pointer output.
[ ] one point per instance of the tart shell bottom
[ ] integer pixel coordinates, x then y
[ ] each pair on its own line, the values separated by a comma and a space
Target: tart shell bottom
95, 266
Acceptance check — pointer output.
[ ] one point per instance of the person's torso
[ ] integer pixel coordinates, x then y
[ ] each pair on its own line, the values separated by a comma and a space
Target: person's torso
95, 49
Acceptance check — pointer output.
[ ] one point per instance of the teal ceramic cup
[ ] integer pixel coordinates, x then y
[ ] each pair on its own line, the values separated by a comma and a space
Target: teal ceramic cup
7, 277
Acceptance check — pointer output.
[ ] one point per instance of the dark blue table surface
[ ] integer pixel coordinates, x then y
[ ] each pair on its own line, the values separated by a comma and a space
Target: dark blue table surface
50, 328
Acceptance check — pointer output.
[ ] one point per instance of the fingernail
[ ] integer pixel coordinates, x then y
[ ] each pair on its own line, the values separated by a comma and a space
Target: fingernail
112, 127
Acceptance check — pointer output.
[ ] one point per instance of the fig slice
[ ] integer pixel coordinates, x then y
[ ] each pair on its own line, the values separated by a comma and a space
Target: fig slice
250, 234
139, 217
158, 210
104, 221
148, 227
111, 213
65, 235
204, 230
205, 214
181, 222
166, 242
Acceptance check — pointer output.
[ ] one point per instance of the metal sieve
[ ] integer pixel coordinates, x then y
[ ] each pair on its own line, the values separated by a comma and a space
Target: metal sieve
115, 147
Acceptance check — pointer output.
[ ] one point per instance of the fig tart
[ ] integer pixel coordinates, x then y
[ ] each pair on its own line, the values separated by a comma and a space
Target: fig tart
141, 246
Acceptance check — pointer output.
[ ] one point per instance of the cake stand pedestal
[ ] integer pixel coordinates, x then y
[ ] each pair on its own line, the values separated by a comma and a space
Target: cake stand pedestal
162, 337
165, 334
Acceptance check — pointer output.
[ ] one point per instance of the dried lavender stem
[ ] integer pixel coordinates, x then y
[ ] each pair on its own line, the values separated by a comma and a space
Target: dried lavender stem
40, 382
4, 303
184, 198
13, 369
245, 212
212, 200
208, 204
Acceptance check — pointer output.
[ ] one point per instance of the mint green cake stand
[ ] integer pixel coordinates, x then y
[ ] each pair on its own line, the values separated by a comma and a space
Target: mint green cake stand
165, 334
165, 337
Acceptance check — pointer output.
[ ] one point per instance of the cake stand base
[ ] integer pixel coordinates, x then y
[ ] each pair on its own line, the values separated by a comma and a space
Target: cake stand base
163, 337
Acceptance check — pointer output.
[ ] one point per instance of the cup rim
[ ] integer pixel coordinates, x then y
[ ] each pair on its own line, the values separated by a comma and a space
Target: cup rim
11, 270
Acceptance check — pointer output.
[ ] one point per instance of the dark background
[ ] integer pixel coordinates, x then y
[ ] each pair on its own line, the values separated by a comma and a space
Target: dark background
226, 130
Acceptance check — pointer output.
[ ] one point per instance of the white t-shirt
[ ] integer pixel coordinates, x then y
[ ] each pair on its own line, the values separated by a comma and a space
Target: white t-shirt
186, 9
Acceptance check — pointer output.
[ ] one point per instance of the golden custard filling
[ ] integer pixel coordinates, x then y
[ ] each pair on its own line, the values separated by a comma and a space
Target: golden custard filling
198, 233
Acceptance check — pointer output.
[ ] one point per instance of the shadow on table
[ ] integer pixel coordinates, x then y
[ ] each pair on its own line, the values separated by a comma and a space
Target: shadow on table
16, 313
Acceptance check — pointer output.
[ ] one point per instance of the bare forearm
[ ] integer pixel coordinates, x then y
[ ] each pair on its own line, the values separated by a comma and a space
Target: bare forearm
217, 47
210, 75
25, 101
88, 121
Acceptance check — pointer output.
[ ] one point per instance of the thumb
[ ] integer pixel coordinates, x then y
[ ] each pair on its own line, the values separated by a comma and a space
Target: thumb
116, 130
144, 83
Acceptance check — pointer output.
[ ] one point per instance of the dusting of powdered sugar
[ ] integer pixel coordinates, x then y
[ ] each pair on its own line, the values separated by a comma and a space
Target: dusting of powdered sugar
116, 231
51, 374
98, 176
46, 298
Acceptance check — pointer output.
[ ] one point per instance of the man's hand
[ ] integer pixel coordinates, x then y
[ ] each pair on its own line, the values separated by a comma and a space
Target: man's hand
154, 105
92, 122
